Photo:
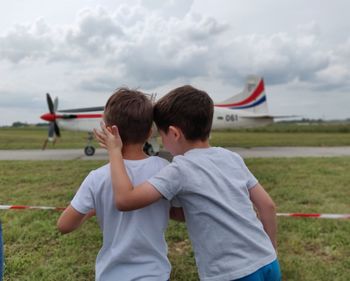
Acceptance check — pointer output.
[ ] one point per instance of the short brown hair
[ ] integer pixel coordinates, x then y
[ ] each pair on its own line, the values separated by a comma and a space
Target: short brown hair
187, 108
132, 112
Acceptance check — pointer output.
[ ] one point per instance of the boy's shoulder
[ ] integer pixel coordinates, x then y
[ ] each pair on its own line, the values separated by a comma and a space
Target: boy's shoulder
160, 160
209, 153
102, 169
146, 165
100, 172
157, 161
146, 161
218, 156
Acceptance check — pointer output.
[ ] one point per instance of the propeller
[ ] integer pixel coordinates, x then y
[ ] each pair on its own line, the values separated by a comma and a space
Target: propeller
50, 103
53, 129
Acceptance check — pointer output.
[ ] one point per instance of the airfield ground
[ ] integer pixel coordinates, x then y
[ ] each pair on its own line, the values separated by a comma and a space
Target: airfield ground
279, 134
253, 152
309, 249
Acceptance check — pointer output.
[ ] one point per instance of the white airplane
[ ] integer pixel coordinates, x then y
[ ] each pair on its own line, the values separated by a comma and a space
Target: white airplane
244, 110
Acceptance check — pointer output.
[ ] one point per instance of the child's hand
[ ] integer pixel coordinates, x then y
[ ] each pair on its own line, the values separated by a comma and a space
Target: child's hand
109, 138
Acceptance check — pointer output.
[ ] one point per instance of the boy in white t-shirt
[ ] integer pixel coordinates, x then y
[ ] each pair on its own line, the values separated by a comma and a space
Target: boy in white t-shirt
213, 185
133, 247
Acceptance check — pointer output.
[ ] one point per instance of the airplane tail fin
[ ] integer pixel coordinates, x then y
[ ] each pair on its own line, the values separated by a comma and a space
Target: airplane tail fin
251, 99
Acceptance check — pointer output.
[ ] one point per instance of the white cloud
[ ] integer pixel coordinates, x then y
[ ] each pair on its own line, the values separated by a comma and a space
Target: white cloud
336, 75
26, 42
151, 44
169, 8
153, 50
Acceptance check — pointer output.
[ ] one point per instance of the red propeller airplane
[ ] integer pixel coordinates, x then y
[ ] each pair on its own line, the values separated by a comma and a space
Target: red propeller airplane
244, 110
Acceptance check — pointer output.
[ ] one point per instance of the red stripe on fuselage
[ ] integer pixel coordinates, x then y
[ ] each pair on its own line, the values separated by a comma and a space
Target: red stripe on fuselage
258, 90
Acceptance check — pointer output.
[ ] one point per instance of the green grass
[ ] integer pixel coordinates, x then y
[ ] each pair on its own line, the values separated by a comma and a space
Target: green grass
278, 134
309, 249
33, 138
253, 139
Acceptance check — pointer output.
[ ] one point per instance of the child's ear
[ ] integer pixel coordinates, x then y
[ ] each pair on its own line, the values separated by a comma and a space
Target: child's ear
175, 132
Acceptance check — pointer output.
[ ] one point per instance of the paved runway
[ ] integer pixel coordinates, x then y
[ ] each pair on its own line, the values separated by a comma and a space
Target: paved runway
101, 154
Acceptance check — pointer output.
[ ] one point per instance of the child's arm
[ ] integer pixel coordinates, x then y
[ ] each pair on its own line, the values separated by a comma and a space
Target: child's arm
71, 219
126, 197
266, 210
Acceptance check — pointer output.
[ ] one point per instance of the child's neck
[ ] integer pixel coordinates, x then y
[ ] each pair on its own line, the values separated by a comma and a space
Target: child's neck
133, 152
188, 145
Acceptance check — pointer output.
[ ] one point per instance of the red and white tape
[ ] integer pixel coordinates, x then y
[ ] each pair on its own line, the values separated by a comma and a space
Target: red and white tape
22, 207
303, 215
318, 216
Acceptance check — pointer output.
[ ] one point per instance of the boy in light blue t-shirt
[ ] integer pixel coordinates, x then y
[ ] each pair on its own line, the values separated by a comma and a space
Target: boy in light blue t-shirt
218, 193
134, 247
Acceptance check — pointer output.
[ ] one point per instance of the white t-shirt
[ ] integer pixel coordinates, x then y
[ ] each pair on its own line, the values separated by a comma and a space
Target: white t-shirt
212, 185
134, 246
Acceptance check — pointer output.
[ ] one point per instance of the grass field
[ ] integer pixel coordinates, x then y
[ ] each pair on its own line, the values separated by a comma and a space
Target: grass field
278, 134
309, 249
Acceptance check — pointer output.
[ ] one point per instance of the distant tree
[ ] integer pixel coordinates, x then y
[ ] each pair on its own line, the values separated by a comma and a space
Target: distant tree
19, 124
41, 124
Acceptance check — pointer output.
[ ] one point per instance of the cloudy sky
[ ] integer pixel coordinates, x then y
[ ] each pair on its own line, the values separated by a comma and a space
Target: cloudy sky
82, 50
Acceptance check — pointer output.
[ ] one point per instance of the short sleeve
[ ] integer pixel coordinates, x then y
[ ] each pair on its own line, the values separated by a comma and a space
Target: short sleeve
167, 181
83, 200
251, 179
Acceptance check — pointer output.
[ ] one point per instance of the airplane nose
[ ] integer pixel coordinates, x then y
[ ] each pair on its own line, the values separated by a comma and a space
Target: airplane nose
48, 117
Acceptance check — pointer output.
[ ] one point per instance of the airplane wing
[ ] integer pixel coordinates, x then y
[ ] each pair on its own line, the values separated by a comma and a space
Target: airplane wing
261, 116
86, 109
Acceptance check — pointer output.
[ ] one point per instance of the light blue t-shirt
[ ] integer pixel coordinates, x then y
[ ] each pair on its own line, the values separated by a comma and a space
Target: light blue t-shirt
134, 246
212, 185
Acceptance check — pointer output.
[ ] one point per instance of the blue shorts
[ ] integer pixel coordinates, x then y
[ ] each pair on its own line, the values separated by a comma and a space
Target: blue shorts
270, 272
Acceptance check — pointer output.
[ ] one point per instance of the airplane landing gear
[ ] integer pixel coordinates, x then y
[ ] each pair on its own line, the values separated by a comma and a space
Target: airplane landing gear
89, 150
148, 149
